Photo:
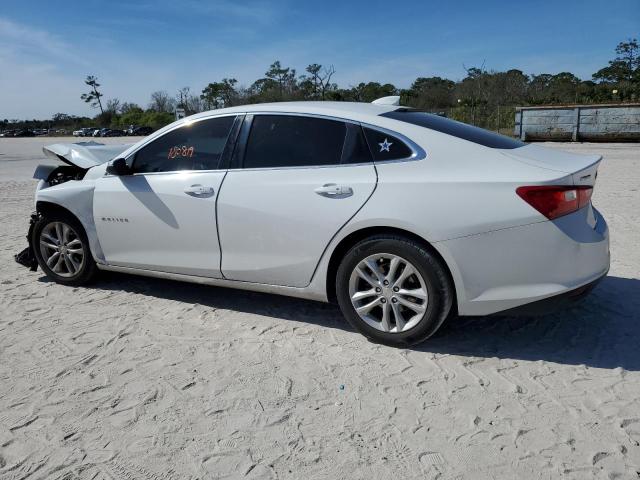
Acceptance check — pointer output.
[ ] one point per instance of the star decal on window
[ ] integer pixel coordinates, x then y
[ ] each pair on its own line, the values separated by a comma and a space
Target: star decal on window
384, 146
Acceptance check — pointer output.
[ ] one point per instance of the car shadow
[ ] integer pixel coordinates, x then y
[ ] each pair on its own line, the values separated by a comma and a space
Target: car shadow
601, 331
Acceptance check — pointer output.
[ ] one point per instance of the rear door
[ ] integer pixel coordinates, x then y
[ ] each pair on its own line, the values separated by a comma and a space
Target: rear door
296, 181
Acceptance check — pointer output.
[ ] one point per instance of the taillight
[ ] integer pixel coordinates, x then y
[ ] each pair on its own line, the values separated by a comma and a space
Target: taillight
555, 201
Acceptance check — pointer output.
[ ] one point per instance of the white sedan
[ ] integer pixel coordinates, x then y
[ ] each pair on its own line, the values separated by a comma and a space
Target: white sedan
402, 217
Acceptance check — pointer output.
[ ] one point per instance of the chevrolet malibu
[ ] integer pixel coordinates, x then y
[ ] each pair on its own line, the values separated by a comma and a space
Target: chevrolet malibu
403, 218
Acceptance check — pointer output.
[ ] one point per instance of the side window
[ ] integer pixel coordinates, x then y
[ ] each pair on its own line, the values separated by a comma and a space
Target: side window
293, 141
355, 146
196, 146
386, 147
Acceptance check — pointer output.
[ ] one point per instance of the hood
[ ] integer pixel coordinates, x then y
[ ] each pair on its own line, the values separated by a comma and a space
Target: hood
84, 154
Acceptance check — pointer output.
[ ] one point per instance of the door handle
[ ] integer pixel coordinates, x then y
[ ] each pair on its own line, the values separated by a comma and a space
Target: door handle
199, 191
333, 190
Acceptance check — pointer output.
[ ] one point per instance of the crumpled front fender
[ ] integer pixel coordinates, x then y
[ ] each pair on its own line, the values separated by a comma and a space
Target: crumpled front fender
76, 197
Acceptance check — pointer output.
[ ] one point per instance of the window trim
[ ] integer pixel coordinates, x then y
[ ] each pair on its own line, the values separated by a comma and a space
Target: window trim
130, 158
418, 152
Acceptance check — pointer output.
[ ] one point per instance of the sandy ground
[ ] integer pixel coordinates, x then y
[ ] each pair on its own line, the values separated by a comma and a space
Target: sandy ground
135, 378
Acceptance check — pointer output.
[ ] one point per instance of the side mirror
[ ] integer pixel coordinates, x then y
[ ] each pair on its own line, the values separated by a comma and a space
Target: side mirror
119, 167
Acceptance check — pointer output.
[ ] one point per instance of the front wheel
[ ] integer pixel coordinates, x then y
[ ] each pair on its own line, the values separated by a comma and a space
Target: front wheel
393, 290
61, 248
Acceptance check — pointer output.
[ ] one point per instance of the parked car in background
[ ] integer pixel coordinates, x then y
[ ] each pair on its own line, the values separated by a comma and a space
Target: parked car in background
402, 217
25, 133
139, 131
112, 132
84, 132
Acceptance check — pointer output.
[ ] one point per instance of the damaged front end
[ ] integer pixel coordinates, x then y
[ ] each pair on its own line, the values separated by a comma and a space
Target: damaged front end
27, 257
78, 159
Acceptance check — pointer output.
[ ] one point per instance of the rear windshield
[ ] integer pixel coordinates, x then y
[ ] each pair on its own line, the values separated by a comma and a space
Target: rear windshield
456, 129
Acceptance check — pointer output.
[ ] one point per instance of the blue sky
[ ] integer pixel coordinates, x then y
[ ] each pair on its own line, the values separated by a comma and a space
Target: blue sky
135, 47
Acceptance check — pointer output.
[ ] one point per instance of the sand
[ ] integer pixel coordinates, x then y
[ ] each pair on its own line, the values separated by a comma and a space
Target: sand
149, 379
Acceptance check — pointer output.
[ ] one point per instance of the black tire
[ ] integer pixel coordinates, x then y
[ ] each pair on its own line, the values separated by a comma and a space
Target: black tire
87, 269
439, 288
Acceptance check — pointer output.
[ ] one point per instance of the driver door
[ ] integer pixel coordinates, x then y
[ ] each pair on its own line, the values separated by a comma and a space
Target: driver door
162, 216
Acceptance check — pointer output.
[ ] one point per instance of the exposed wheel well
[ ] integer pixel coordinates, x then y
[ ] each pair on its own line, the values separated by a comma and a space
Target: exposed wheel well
48, 207
350, 240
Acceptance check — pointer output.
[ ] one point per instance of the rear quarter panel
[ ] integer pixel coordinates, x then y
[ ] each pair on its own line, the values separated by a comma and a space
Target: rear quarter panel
459, 189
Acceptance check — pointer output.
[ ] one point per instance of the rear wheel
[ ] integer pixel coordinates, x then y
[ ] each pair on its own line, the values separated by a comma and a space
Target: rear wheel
393, 290
61, 247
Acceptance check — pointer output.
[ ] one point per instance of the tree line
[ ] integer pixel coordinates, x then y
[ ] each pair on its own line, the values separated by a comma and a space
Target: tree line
486, 98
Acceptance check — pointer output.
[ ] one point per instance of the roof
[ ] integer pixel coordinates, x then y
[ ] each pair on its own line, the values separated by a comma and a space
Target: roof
349, 110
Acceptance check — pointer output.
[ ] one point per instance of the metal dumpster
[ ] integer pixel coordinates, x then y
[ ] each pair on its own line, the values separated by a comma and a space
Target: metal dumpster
579, 123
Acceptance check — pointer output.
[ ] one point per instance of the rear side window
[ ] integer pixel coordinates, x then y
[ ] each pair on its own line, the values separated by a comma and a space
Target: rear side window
456, 129
386, 147
355, 148
294, 141
196, 146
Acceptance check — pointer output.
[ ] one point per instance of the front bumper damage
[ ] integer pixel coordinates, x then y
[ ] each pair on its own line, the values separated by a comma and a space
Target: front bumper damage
26, 257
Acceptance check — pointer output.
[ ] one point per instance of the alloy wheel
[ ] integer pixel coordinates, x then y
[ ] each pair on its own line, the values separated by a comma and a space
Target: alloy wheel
388, 292
61, 249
